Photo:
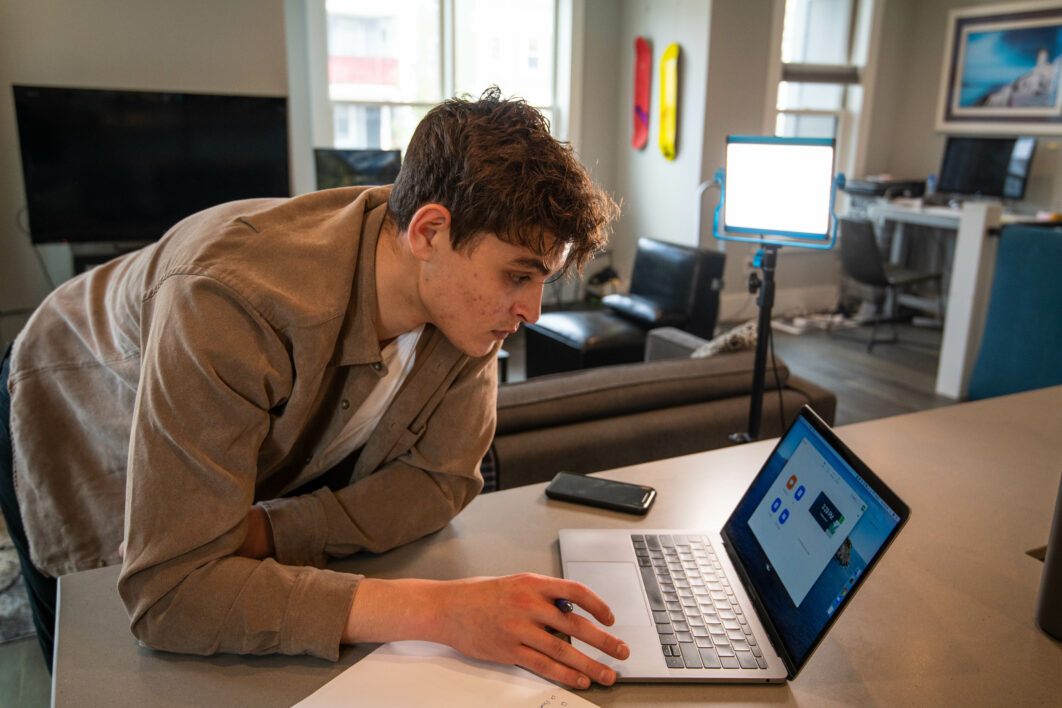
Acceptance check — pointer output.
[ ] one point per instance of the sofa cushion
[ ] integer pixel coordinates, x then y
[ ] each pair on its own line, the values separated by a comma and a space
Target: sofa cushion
623, 389
647, 311
532, 456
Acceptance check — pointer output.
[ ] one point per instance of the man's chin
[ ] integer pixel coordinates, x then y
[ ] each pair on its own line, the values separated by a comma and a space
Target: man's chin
475, 349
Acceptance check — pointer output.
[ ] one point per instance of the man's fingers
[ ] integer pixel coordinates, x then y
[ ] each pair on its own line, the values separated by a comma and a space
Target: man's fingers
595, 636
549, 668
560, 661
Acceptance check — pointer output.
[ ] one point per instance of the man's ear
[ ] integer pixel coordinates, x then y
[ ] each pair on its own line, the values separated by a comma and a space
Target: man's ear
429, 223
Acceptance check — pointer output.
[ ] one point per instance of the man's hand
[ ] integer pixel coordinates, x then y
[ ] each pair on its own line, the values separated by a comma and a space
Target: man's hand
259, 541
498, 619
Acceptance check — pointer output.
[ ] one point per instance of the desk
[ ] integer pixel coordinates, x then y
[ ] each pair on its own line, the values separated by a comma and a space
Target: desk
948, 617
971, 282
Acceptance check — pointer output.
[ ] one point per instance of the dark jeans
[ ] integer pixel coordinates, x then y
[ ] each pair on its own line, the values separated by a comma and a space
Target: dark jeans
42, 589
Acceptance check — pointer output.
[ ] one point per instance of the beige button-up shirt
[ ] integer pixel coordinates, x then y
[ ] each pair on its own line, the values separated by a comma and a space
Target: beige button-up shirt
159, 395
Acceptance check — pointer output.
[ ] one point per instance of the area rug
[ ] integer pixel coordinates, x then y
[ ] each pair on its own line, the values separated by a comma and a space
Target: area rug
15, 619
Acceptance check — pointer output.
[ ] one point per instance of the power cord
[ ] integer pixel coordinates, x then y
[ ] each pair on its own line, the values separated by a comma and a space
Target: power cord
777, 380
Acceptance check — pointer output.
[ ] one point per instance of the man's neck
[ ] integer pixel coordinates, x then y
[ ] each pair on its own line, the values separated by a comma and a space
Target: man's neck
398, 305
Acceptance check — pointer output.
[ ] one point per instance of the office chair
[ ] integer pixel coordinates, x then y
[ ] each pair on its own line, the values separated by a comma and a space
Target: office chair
861, 260
671, 286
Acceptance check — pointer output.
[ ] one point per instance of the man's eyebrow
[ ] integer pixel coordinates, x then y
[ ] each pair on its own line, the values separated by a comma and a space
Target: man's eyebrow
534, 263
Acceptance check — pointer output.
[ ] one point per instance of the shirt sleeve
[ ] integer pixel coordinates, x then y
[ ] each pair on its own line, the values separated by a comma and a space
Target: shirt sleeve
411, 496
211, 370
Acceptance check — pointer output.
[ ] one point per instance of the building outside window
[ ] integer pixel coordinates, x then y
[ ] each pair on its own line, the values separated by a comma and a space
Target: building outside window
388, 63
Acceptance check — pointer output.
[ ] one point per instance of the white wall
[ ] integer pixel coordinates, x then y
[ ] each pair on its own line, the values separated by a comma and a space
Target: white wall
723, 90
657, 194
600, 114
234, 46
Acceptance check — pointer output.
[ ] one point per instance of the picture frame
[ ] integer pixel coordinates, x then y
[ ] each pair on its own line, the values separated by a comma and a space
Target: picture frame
1002, 70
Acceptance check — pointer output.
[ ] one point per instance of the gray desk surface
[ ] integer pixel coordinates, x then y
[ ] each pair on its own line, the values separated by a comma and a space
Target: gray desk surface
947, 618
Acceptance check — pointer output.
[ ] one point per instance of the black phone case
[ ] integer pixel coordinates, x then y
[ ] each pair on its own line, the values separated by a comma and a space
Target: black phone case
588, 497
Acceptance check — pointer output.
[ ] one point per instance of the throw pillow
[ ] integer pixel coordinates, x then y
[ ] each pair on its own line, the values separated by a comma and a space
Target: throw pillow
739, 338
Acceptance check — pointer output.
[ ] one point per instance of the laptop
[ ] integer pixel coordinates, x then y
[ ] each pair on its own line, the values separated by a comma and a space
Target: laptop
750, 602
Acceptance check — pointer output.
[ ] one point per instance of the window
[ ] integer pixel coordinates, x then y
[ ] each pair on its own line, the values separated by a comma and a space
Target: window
388, 63
822, 55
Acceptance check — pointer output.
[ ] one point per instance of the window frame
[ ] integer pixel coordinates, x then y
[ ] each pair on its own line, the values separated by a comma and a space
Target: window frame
853, 73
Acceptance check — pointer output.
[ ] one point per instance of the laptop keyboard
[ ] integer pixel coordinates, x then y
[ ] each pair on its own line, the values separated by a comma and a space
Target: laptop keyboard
698, 618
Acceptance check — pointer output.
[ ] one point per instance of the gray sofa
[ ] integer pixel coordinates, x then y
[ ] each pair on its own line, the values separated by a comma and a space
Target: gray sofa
611, 416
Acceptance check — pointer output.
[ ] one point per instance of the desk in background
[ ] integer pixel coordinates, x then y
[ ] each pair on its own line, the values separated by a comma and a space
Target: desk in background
947, 618
970, 283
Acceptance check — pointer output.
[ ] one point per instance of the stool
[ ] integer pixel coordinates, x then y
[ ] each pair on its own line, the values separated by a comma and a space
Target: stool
566, 341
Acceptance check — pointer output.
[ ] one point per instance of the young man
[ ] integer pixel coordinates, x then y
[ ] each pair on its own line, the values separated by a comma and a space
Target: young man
276, 382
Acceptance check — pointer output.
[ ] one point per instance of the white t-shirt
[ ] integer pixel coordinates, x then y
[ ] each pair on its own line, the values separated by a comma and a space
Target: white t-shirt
398, 357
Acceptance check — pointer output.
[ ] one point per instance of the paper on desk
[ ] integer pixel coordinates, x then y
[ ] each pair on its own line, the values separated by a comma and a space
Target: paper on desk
417, 674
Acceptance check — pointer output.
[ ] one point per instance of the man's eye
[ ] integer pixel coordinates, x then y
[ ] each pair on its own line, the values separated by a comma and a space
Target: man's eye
520, 278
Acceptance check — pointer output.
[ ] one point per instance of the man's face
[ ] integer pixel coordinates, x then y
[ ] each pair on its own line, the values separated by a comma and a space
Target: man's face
481, 295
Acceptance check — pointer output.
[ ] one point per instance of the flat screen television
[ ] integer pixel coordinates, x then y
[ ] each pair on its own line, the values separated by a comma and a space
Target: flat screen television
118, 166
986, 167
354, 168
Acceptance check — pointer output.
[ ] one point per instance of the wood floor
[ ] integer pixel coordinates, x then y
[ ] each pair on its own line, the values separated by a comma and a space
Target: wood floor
893, 379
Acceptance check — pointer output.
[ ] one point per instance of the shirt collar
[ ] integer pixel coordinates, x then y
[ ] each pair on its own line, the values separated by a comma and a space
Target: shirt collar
358, 343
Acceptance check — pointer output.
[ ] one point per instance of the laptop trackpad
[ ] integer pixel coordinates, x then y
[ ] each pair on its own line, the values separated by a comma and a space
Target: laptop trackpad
619, 585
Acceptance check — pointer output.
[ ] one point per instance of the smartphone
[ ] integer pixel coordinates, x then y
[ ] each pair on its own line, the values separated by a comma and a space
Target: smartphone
605, 493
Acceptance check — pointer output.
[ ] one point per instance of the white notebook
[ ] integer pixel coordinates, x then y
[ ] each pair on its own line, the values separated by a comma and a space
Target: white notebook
417, 674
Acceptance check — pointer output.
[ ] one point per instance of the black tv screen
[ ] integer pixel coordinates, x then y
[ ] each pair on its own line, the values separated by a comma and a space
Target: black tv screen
988, 167
113, 166
355, 168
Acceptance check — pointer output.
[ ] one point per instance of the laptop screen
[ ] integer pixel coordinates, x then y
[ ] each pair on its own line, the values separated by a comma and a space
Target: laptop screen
807, 530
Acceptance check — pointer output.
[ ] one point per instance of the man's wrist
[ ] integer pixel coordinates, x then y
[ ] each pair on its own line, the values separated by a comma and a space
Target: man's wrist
393, 610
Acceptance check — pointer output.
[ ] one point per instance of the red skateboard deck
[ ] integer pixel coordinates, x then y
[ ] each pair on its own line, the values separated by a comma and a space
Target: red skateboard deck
643, 62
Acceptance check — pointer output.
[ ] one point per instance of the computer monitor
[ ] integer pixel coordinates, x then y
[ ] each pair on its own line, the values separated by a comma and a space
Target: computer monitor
986, 167
778, 190
355, 168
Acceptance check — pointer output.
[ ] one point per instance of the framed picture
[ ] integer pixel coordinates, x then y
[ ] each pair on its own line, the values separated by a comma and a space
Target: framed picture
1002, 70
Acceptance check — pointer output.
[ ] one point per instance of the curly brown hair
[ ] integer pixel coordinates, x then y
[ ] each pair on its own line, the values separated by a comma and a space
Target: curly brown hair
494, 165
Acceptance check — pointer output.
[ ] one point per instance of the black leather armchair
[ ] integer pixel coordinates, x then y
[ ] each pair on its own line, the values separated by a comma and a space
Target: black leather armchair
671, 286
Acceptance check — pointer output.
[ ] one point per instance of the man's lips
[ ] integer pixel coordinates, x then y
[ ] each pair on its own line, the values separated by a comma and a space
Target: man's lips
503, 333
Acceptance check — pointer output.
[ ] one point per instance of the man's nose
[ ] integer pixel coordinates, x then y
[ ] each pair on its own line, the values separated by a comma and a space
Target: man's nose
528, 306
